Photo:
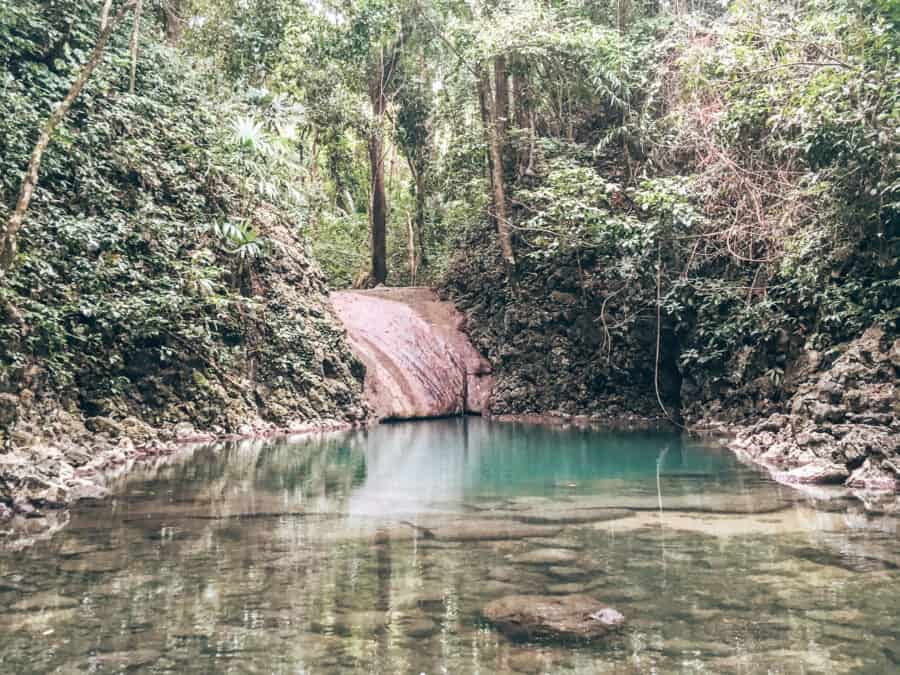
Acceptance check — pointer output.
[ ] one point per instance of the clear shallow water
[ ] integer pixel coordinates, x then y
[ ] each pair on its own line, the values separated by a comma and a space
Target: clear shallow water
374, 551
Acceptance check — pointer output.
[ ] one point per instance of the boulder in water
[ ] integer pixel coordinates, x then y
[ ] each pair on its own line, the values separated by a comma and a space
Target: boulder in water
547, 556
569, 617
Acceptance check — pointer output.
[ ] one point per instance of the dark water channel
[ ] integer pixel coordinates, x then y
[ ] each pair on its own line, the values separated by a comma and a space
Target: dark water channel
374, 551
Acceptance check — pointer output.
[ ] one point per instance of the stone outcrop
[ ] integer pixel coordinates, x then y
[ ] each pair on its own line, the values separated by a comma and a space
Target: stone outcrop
566, 341
564, 618
419, 363
842, 425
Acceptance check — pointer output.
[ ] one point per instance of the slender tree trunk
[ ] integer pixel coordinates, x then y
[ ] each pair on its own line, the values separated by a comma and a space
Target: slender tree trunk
422, 259
314, 158
173, 21
417, 167
529, 168
501, 94
135, 37
519, 105
484, 97
104, 14
494, 129
520, 117
376, 162
411, 249
9, 244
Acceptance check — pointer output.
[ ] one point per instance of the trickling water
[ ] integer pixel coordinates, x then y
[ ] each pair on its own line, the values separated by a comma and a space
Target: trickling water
375, 551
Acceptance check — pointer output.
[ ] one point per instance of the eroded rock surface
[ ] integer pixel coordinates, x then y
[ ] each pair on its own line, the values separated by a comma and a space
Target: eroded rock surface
843, 423
418, 361
568, 617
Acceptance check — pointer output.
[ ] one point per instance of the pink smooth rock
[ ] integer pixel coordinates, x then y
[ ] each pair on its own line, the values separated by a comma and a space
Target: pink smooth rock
418, 361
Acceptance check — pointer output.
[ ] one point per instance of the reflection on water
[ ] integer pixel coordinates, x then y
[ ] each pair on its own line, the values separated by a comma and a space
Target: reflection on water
375, 550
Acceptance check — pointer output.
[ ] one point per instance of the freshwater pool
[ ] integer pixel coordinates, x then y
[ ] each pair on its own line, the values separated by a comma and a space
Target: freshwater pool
374, 551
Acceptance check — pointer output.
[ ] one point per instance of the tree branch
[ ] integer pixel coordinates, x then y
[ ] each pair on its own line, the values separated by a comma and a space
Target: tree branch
8, 246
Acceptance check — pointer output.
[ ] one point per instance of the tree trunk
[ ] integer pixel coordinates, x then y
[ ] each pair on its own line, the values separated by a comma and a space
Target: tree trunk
418, 167
519, 105
421, 258
494, 129
104, 14
520, 117
502, 113
501, 94
314, 158
9, 244
135, 37
376, 163
173, 21
411, 250
484, 97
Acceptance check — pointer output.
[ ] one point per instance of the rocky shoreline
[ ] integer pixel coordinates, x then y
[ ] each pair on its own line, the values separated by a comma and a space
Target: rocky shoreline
40, 482
840, 428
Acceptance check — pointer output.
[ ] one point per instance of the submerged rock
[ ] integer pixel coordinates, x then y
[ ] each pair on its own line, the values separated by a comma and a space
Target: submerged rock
363, 621
121, 661
422, 627
559, 542
489, 530
816, 472
569, 617
574, 516
569, 588
47, 600
566, 573
547, 556
493, 588
505, 574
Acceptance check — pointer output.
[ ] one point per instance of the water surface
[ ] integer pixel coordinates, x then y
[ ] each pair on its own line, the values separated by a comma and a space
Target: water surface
374, 551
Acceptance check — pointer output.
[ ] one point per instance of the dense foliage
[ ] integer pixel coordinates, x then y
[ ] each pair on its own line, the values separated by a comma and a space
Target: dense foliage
734, 190
160, 227
694, 197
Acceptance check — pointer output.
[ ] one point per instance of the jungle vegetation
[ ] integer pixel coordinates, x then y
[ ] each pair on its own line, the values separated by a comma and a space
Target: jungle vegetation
733, 166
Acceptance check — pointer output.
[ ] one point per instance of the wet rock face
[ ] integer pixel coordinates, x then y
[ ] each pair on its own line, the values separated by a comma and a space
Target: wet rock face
842, 425
551, 342
418, 362
565, 618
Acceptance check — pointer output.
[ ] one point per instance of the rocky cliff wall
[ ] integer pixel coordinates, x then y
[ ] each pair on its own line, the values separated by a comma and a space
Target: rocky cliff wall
286, 367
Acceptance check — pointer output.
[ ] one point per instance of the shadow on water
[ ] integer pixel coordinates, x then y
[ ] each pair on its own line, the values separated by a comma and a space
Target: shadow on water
375, 551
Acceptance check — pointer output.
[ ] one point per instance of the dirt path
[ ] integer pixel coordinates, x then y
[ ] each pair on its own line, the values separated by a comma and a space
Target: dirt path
418, 361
